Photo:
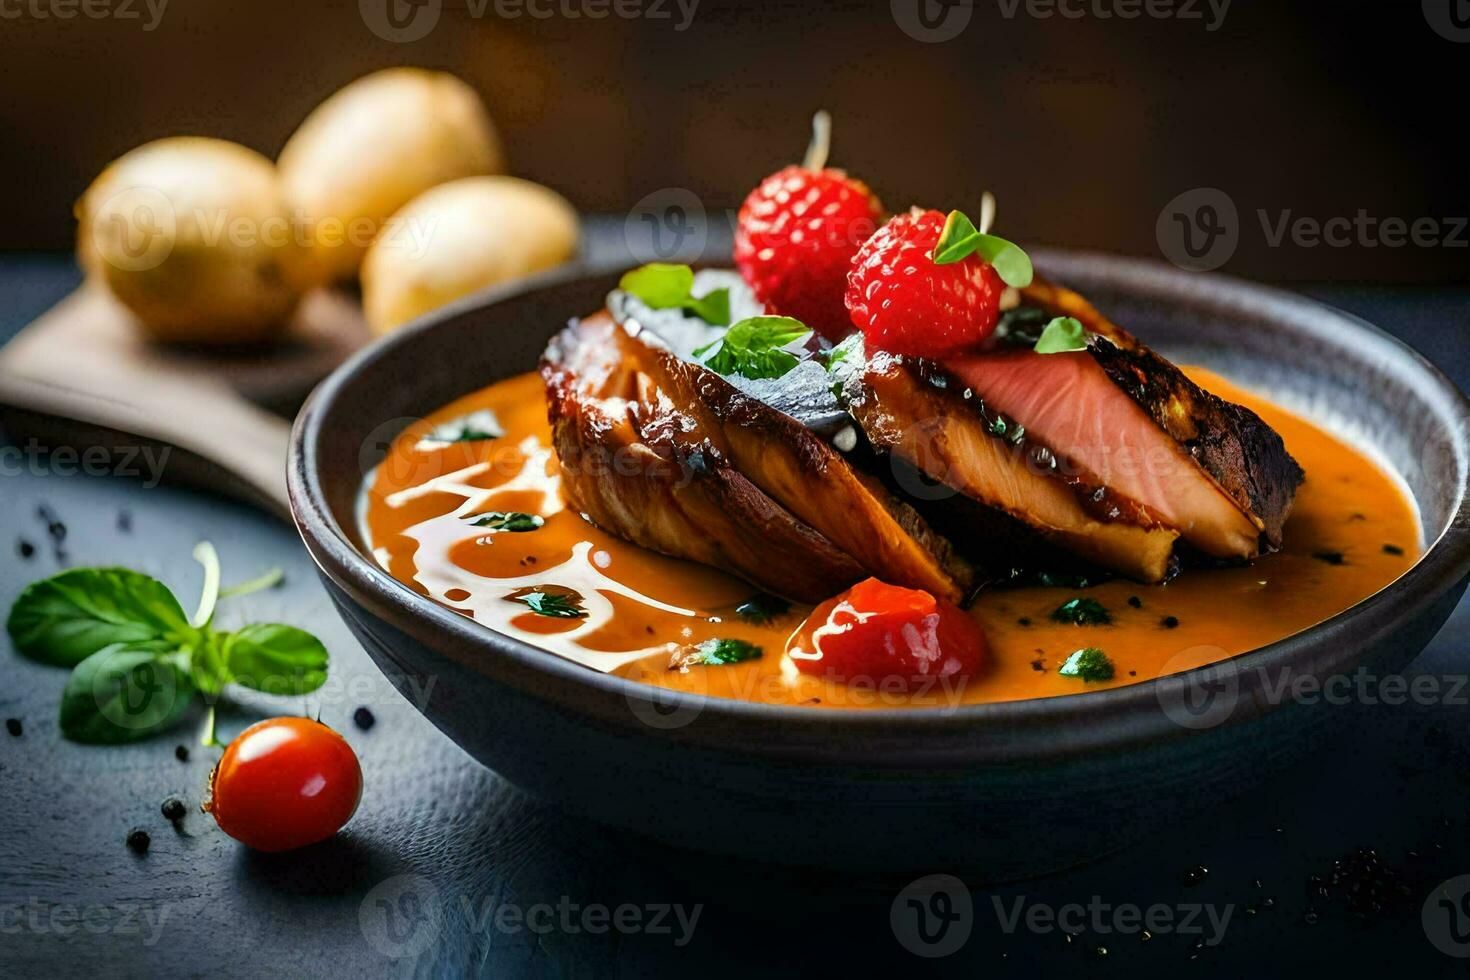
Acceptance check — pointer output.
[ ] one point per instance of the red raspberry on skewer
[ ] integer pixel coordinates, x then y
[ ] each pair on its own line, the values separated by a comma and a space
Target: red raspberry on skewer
906, 303
796, 236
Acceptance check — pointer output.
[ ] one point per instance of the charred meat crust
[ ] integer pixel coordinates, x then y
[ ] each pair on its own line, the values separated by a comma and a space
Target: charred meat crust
807, 476
683, 500
1244, 455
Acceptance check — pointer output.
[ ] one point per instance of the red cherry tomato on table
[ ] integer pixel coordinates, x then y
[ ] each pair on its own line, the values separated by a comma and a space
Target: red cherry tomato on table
875, 631
285, 783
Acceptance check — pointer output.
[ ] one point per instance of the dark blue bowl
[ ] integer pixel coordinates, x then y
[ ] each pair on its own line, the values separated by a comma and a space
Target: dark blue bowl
1001, 790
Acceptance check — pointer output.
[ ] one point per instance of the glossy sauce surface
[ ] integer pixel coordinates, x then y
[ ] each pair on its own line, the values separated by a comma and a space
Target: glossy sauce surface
1351, 532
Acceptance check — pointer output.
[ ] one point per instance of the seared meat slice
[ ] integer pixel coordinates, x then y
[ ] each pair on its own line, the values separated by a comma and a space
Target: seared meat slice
921, 417
1241, 452
682, 498
804, 474
1134, 422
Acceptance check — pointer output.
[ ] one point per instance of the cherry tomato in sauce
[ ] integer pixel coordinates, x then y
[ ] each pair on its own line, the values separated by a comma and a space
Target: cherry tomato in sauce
876, 632
284, 783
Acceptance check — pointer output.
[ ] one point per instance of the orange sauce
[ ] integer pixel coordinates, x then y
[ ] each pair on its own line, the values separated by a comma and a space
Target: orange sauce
1351, 532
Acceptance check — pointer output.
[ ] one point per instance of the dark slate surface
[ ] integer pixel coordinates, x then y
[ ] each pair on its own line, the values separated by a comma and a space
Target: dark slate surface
440, 842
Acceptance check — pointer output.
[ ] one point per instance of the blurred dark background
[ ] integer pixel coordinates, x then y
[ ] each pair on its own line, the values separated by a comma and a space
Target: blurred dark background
1085, 127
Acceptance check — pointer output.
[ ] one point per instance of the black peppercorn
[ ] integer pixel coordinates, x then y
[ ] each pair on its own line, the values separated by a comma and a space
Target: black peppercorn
173, 809
12, 725
1135, 602
138, 840
25, 549
363, 718
1169, 622
181, 752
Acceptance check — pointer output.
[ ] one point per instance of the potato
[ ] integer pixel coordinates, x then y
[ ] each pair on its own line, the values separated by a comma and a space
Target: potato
193, 236
374, 146
460, 237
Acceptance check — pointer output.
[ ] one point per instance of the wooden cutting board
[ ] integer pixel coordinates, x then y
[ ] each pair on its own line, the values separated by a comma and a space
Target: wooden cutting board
82, 376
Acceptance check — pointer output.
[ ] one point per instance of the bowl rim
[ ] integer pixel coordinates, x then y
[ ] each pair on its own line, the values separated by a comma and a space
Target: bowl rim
1136, 708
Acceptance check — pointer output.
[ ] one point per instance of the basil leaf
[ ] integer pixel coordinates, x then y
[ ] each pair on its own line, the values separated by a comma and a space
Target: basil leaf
752, 347
1088, 664
68, 617
1061, 335
960, 239
124, 692
275, 658
507, 520
714, 653
666, 286
552, 604
207, 663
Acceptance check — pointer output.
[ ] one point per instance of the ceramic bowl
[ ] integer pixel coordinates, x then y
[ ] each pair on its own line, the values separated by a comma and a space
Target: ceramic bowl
997, 790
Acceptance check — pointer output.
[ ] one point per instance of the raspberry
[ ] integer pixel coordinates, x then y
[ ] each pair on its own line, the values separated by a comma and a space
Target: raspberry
904, 303
795, 239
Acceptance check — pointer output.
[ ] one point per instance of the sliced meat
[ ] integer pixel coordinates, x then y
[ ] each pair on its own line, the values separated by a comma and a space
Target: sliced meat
957, 440
681, 498
1068, 402
1243, 455
806, 475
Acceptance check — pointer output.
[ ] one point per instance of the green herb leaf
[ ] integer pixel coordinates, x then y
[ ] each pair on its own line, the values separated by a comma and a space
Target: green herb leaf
1060, 335
1011, 263
207, 663
752, 347
68, 617
713, 307
275, 658
664, 286
957, 241
477, 426
1021, 326
846, 348
960, 239
659, 284
714, 652
507, 520
1088, 664
762, 608
1082, 612
552, 604
124, 692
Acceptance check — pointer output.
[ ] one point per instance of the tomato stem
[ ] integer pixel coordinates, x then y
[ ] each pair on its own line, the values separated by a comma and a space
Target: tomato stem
209, 739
